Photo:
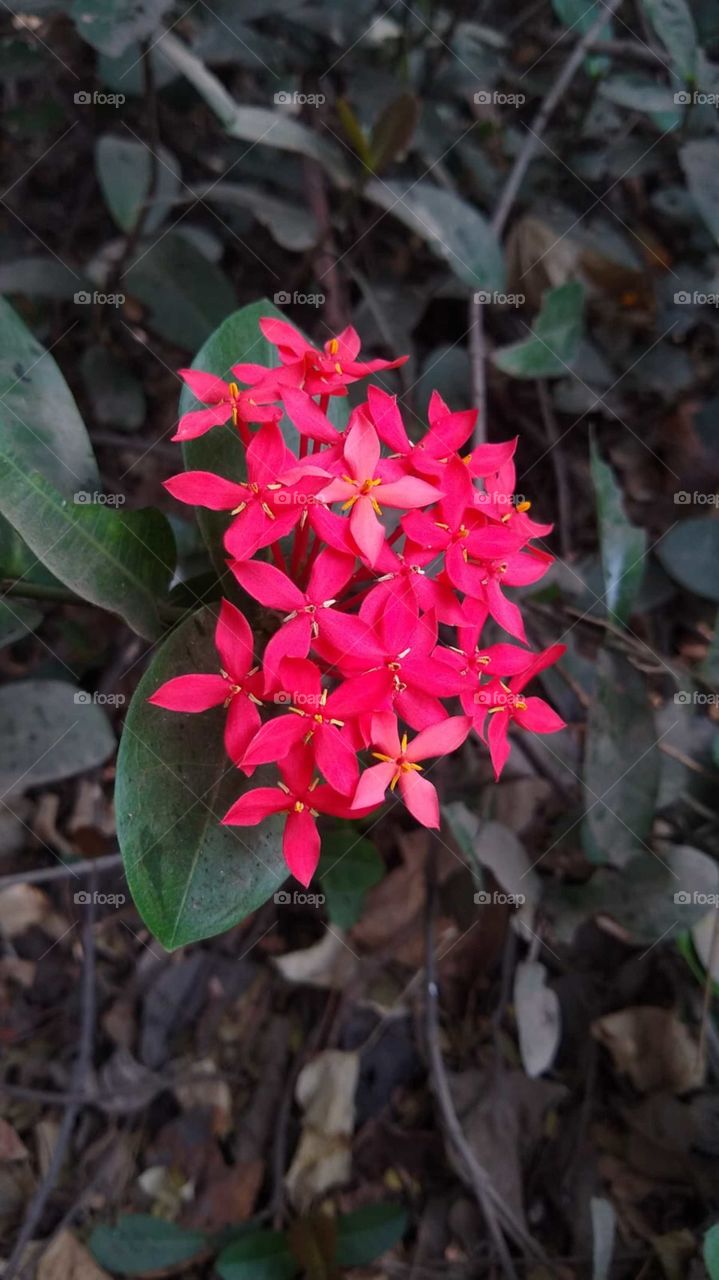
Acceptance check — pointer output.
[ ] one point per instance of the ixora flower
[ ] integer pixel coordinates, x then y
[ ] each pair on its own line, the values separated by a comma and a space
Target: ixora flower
357, 550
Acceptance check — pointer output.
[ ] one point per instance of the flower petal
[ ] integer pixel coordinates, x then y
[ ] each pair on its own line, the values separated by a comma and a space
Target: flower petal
372, 785
268, 585
254, 806
191, 693
205, 489
420, 798
439, 739
301, 845
234, 641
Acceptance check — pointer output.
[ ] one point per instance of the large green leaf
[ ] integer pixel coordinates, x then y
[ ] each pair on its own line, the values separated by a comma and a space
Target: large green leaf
552, 345
39, 419
700, 161
621, 765
690, 553
124, 171
139, 1243
673, 23
622, 544
260, 1255
452, 228
185, 295
190, 876
111, 25
50, 730
369, 1232
238, 339
121, 561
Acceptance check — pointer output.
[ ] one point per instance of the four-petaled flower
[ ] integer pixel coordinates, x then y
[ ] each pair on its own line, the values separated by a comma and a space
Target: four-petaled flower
399, 765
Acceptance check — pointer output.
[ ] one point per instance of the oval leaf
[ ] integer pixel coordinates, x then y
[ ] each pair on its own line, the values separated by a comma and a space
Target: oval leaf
51, 730
622, 544
369, 1232
261, 1255
190, 876
690, 553
185, 295
124, 171
139, 1243
553, 338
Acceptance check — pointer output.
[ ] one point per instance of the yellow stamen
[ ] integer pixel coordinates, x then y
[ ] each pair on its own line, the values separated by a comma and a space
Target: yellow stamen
333, 346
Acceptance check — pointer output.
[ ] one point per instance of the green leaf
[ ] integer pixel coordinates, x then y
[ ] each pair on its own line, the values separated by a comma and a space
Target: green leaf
139, 1243
124, 171
115, 394
238, 339
111, 25
700, 161
710, 1252
121, 561
39, 419
554, 339
349, 866
673, 23
622, 544
254, 124
369, 1232
451, 227
639, 93
393, 131
16, 619
50, 730
263, 1255
291, 225
690, 554
186, 296
39, 276
621, 765
190, 877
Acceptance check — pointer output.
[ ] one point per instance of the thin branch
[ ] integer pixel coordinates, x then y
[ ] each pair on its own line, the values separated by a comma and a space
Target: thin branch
509, 194
559, 466
43, 874
16, 1266
498, 1215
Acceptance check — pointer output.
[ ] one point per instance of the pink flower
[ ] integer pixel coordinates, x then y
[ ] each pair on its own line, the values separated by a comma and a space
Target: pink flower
361, 489
238, 687
326, 372
303, 799
399, 765
226, 403
504, 704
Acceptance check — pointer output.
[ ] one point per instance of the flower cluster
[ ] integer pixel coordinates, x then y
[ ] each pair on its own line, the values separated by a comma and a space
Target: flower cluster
356, 661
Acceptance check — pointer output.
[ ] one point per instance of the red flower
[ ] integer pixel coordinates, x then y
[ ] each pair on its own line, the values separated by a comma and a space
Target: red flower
226, 403
308, 611
303, 799
504, 704
238, 687
326, 372
362, 487
314, 723
399, 767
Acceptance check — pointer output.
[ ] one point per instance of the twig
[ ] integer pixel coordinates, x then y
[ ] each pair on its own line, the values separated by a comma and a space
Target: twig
493, 1207
509, 194
43, 874
559, 465
138, 226
16, 1267
39, 591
